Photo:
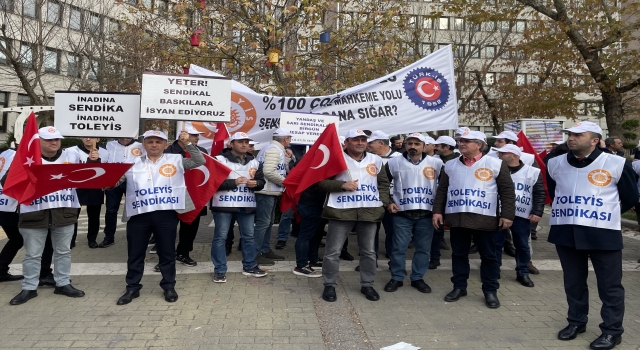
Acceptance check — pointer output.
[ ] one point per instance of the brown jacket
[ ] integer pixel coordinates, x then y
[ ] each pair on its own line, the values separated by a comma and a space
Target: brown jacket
473, 221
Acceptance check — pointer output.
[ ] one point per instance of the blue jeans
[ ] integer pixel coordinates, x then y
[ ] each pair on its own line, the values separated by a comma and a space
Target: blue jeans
218, 253
422, 231
520, 230
306, 246
265, 213
285, 225
34, 241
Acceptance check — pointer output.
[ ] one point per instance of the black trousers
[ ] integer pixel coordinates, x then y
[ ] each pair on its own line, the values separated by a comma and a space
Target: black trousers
9, 223
187, 235
163, 224
489, 268
607, 265
436, 243
93, 215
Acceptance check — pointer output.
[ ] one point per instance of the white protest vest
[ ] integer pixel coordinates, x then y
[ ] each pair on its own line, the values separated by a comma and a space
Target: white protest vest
366, 172
117, 153
587, 196
66, 198
636, 168
6, 203
473, 189
242, 196
523, 181
84, 156
155, 186
280, 169
414, 185
526, 158
385, 160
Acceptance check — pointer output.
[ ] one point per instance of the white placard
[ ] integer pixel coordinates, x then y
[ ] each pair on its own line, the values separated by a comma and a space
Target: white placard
305, 127
97, 114
185, 97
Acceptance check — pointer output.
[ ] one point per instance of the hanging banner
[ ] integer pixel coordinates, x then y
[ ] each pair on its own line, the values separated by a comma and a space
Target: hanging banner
306, 128
419, 97
97, 114
185, 97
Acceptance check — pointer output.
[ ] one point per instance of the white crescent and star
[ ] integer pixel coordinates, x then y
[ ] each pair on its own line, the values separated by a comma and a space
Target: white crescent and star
205, 171
98, 172
57, 177
326, 154
35, 136
424, 94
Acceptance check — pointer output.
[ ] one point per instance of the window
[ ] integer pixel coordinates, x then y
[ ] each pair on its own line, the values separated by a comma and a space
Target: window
505, 54
75, 19
51, 61
505, 26
582, 108
521, 25
93, 70
6, 5
412, 21
26, 55
519, 54
427, 23
489, 52
303, 44
54, 12
94, 22
442, 46
521, 79
147, 3
474, 51
534, 78
112, 26
23, 100
74, 65
458, 52
162, 6
427, 48
474, 27
458, 24
29, 8
490, 26
132, 2
489, 79
443, 23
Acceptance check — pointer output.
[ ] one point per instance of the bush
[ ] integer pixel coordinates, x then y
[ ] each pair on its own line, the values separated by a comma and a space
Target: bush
630, 124
629, 145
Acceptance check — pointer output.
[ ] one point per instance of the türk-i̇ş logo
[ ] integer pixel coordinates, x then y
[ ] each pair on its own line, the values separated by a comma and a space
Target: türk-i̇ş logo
427, 88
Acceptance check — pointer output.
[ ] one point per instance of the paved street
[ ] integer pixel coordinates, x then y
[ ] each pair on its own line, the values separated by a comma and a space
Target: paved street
284, 311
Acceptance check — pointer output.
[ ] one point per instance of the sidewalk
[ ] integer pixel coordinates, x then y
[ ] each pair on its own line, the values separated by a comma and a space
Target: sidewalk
284, 311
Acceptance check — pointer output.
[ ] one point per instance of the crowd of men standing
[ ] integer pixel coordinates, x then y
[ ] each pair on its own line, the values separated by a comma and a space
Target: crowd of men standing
490, 199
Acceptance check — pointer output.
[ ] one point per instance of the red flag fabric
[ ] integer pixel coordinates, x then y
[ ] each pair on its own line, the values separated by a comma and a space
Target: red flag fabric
17, 184
54, 177
323, 160
202, 182
218, 139
523, 142
543, 154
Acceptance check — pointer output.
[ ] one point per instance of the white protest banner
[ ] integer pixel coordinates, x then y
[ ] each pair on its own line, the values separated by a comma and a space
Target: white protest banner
185, 97
306, 128
97, 114
419, 97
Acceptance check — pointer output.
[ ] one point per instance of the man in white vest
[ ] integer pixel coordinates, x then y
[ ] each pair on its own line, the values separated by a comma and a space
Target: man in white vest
9, 223
122, 150
55, 212
530, 196
415, 177
156, 193
236, 197
357, 199
590, 189
467, 195
509, 138
275, 163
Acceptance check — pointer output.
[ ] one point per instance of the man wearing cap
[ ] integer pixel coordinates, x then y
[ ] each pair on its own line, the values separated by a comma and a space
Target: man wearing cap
122, 150
397, 144
156, 193
357, 199
187, 232
44, 215
236, 197
509, 138
275, 161
91, 198
415, 177
589, 190
467, 195
530, 196
429, 146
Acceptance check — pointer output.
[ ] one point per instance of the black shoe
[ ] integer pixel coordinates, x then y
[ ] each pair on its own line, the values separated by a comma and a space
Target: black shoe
23, 297
69, 291
281, 244
329, 294
370, 293
433, 264
525, 281
491, 300
228, 249
344, 255
127, 297
156, 268
317, 263
534, 236
532, 269
393, 285
571, 332
510, 251
170, 295
358, 268
73, 245
445, 245
455, 294
186, 260
7, 277
606, 341
421, 286
473, 249
93, 245
47, 281
106, 243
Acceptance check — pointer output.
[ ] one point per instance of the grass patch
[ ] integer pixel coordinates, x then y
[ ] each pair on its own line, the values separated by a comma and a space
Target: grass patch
630, 215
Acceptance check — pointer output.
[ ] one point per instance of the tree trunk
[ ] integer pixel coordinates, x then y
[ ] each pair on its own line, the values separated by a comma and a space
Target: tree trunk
612, 104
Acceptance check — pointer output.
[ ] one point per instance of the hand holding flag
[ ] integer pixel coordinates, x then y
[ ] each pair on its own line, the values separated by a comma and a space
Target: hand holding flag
17, 184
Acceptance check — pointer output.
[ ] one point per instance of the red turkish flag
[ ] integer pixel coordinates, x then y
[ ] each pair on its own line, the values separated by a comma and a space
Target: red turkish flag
28, 155
543, 154
218, 139
523, 142
54, 177
323, 160
202, 182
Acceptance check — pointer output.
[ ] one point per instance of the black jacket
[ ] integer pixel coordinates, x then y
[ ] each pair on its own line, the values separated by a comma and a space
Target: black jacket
538, 195
230, 184
585, 237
